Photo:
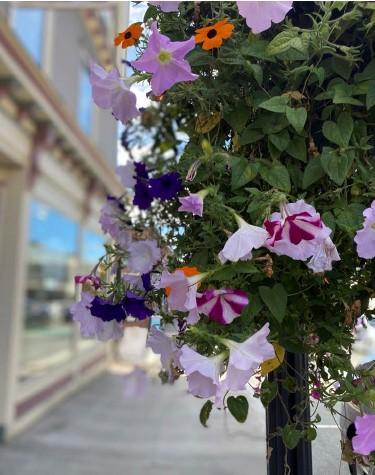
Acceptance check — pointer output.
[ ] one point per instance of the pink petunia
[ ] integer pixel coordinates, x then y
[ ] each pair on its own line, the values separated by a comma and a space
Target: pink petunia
223, 305
260, 15
239, 246
297, 231
364, 440
109, 91
164, 59
365, 237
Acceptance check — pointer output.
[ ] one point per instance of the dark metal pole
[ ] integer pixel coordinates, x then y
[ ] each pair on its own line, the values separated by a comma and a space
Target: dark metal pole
278, 414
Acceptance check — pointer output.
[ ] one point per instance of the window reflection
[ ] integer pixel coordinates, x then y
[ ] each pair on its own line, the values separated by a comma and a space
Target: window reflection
52, 263
84, 111
28, 24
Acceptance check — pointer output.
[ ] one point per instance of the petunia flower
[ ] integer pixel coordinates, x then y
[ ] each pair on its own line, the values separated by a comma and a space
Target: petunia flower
89, 278
164, 59
127, 174
364, 440
91, 326
166, 7
143, 255
212, 36
181, 290
193, 203
134, 306
242, 242
203, 373
143, 196
109, 91
112, 224
324, 255
248, 355
297, 231
165, 346
107, 310
129, 37
135, 384
166, 187
223, 305
260, 15
365, 237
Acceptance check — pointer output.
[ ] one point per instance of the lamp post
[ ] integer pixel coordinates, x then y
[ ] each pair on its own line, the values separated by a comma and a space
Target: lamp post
284, 408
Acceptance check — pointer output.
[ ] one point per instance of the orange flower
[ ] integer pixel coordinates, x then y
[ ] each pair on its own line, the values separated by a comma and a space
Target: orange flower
188, 271
130, 36
213, 36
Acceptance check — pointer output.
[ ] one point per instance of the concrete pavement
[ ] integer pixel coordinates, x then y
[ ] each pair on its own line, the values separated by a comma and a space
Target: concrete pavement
97, 432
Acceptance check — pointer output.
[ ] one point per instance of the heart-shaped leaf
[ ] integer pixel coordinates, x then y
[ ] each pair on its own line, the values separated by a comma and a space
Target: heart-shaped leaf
341, 132
276, 300
296, 117
238, 407
336, 164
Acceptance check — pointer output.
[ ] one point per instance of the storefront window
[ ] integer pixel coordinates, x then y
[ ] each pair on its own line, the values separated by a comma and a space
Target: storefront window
84, 111
28, 23
52, 263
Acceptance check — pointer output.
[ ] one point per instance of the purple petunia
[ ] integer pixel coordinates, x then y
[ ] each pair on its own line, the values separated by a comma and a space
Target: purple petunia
143, 196
166, 187
364, 440
107, 311
109, 91
193, 203
166, 7
164, 59
143, 255
134, 306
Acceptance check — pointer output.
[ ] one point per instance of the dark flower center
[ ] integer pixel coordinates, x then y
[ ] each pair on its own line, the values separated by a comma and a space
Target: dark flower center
212, 33
128, 35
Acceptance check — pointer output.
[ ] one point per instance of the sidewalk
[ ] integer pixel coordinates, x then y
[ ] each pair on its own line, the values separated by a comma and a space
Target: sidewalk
97, 432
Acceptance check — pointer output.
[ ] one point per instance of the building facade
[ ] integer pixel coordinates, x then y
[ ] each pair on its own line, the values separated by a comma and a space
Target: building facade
57, 159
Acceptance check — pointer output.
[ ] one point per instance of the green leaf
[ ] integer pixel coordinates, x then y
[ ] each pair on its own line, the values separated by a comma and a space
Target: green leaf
151, 12
238, 117
342, 67
238, 407
297, 148
310, 433
297, 117
329, 220
242, 172
275, 104
280, 140
336, 165
350, 219
255, 305
276, 300
287, 40
268, 392
276, 175
291, 436
341, 132
342, 94
199, 57
251, 135
205, 412
370, 96
256, 70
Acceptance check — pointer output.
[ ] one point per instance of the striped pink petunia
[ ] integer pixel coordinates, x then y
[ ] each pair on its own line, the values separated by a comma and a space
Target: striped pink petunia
223, 305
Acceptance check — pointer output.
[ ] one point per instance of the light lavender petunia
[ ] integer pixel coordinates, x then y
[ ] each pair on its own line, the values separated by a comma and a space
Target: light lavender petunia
164, 59
325, 254
127, 174
248, 355
166, 7
109, 91
260, 15
110, 220
364, 440
135, 384
365, 237
239, 246
222, 305
143, 255
297, 231
193, 203
91, 326
165, 346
